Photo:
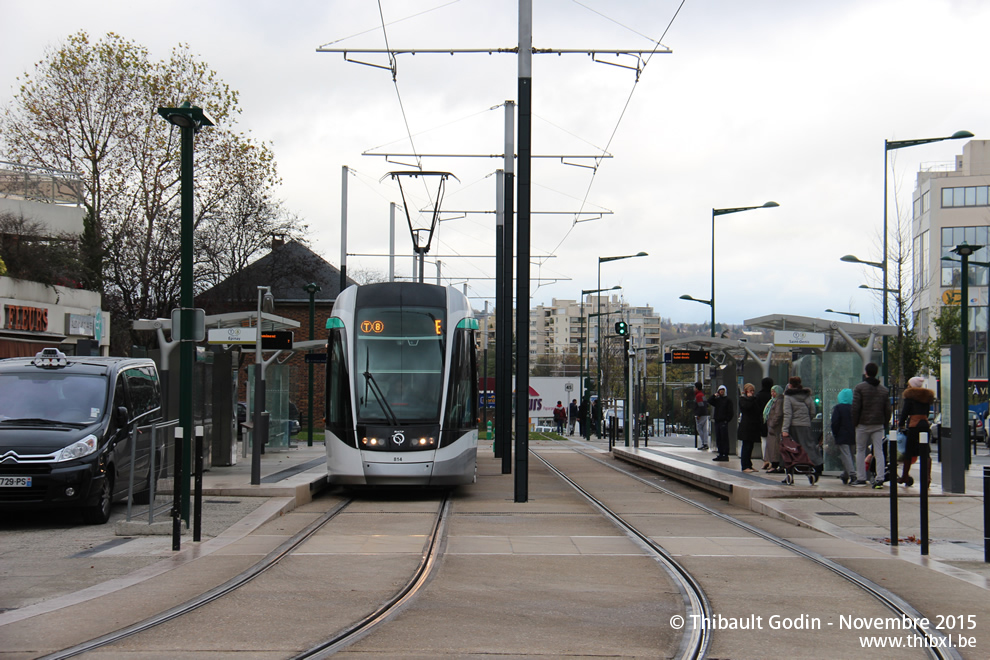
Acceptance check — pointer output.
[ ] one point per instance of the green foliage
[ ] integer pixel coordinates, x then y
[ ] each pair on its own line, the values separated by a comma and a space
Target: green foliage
3, 267
91, 107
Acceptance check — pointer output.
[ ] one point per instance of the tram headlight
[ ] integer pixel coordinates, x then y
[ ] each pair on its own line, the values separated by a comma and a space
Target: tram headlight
426, 442
373, 442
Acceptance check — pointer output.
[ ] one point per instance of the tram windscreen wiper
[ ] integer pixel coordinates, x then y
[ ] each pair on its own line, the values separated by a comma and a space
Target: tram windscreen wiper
372, 384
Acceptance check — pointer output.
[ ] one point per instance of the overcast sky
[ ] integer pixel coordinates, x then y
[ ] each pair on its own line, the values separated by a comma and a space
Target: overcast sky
759, 100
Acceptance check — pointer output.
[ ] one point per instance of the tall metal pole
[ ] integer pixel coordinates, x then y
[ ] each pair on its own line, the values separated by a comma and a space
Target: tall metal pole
713, 272
186, 348
501, 307
343, 228
257, 436
311, 289
523, 249
391, 242
598, 367
505, 333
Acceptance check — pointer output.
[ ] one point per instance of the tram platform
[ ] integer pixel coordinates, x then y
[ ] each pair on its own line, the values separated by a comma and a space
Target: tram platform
860, 514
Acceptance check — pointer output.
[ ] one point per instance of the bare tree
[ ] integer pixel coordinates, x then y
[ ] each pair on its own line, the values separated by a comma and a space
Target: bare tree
92, 108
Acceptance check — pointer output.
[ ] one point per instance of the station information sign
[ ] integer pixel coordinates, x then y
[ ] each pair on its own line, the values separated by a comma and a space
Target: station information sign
689, 357
276, 340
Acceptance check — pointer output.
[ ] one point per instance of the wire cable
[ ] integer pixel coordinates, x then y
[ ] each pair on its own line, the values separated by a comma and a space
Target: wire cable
618, 123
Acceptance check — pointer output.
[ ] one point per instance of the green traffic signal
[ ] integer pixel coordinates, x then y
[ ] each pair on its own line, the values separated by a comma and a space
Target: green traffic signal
621, 328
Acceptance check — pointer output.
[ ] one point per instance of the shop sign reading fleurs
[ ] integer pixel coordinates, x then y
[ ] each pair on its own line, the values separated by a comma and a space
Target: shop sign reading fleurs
21, 317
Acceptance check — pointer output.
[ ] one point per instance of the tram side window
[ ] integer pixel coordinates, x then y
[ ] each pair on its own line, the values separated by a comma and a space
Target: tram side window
462, 408
338, 399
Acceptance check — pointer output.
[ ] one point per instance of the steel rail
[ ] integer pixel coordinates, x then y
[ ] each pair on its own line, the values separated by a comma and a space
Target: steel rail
893, 602
356, 631
696, 641
209, 596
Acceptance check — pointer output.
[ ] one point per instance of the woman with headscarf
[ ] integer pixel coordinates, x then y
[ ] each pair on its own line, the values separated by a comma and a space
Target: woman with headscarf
913, 420
773, 415
799, 410
844, 434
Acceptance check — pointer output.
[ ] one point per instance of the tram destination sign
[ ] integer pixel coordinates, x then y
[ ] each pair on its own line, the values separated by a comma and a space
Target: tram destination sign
688, 357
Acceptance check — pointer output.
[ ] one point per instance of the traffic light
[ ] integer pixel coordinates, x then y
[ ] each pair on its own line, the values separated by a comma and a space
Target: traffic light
621, 328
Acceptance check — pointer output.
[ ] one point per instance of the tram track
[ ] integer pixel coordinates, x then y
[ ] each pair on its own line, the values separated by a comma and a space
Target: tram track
696, 643
338, 640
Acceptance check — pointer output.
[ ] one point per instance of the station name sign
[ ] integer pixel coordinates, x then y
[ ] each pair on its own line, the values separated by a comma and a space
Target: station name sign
796, 338
689, 357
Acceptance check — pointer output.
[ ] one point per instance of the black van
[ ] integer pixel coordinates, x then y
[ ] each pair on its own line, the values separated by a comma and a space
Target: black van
67, 425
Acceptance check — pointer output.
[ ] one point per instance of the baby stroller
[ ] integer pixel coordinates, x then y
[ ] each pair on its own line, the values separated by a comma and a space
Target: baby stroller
795, 460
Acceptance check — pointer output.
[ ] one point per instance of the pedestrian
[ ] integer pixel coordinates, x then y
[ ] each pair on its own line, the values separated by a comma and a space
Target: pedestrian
871, 411
596, 416
799, 410
701, 415
750, 420
763, 397
583, 417
773, 416
559, 417
913, 421
844, 434
572, 416
722, 415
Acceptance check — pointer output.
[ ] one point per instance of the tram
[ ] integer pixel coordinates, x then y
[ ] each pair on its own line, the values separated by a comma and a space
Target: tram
402, 387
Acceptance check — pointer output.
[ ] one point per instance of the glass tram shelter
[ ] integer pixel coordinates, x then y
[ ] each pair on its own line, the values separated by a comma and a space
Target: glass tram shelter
825, 353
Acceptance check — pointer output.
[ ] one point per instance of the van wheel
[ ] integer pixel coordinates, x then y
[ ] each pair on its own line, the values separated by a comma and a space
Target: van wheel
99, 513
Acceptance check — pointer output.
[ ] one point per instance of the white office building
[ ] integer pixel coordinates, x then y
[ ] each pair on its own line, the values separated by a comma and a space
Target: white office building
952, 206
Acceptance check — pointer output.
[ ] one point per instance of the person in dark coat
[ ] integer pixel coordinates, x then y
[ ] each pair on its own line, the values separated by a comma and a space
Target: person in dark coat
762, 399
751, 419
721, 417
913, 420
844, 434
583, 417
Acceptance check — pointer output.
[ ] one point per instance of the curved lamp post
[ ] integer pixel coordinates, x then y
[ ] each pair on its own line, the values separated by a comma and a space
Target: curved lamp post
849, 314
602, 260
190, 120
715, 212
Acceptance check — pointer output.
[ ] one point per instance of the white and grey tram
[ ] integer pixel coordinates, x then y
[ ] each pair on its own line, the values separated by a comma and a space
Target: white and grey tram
402, 386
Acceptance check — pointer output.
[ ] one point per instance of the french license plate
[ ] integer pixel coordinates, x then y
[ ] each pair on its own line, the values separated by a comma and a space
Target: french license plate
15, 482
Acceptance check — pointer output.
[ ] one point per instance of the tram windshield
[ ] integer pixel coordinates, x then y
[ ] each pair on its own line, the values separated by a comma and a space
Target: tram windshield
398, 370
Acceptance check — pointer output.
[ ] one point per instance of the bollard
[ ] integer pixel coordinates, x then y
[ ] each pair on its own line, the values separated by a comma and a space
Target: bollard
176, 491
925, 463
198, 491
892, 480
986, 516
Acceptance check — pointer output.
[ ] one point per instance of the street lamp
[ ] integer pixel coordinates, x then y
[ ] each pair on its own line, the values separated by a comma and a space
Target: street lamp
190, 120
891, 145
716, 212
266, 303
581, 388
964, 250
849, 314
312, 288
602, 260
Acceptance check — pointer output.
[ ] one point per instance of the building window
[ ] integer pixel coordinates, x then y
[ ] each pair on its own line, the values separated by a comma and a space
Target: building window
965, 196
952, 272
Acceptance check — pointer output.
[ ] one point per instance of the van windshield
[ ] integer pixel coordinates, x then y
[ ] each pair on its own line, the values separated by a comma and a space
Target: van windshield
52, 396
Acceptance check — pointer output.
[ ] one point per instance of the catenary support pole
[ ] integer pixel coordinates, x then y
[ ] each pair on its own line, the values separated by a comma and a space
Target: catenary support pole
523, 249
505, 421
